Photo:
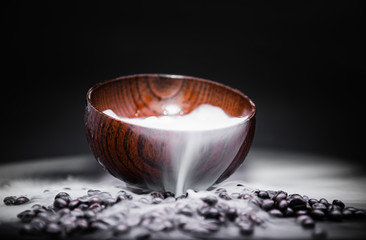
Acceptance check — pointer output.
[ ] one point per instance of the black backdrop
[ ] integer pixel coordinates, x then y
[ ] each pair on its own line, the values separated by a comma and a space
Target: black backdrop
302, 63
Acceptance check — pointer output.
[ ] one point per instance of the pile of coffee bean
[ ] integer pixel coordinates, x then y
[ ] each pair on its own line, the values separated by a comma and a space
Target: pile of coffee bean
13, 200
196, 213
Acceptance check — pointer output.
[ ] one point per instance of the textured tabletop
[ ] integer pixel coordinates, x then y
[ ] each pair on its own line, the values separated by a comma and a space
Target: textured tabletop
305, 174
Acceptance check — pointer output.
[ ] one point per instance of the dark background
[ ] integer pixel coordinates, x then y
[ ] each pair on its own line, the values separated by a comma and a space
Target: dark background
302, 63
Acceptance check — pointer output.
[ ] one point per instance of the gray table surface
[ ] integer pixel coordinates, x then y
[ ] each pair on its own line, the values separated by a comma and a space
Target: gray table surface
306, 174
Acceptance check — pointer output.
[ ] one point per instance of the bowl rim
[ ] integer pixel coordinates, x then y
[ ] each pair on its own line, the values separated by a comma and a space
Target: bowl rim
172, 76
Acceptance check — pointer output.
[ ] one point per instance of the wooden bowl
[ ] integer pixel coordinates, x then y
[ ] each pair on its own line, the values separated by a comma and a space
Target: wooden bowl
142, 157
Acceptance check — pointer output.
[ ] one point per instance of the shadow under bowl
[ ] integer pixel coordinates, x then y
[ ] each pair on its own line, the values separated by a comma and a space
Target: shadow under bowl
147, 158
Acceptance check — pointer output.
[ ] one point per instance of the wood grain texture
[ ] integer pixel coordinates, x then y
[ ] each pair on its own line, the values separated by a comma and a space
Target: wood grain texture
128, 152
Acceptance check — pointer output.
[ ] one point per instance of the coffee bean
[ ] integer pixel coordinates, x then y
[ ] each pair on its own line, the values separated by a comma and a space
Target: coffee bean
82, 224
210, 200
295, 195
351, 209
332, 207
63, 195
221, 190
289, 212
360, 214
98, 225
335, 215
108, 201
319, 233
224, 195
95, 207
280, 196
169, 194
339, 203
83, 206
308, 223
301, 212
89, 214
301, 218
38, 225
282, 205
263, 194
73, 204
275, 213
20, 200
9, 200
77, 213
63, 211
297, 203
317, 214
157, 194
59, 203
26, 216
231, 213
324, 201
95, 199
92, 192
347, 214
267, 204
319, 206
212, 213
53, 228
312, 201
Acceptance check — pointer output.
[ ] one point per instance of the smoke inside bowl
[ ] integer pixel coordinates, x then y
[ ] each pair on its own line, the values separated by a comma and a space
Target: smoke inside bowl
200, 131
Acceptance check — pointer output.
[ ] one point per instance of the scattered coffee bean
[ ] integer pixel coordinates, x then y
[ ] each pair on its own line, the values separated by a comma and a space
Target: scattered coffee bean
169, 194
301, 212
289, 212
308, 223
63, 195
282, 205
9, 200
297, 203
319, 206
197, 216
263, 194
20, 200
324, 201
311, 201
224, 195
275, 213
317, 214
281, 195
59, 203
231, 213
335, 215
210, 200
338, 203
157, 195
53, 229
267, 204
